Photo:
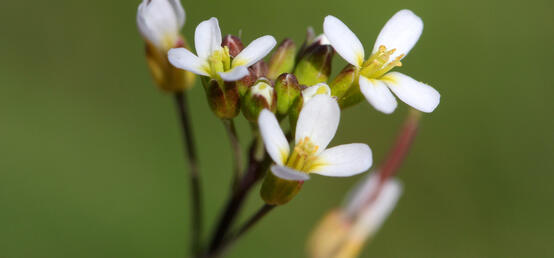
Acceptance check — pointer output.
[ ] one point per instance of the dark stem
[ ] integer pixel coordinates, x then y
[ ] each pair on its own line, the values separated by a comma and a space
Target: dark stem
254, 173
191, 156
236, 150
262, 212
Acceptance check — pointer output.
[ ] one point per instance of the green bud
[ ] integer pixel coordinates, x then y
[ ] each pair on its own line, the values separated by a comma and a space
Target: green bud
315, 66
246, 82
223, 98
344, 82
278, 191
258, 97
287, 91
282, 61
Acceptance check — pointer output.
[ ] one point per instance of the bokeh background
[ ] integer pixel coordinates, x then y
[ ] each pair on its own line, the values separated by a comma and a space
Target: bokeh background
91, 163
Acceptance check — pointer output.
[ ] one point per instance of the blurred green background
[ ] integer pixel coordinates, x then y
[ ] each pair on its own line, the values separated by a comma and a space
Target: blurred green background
91, 163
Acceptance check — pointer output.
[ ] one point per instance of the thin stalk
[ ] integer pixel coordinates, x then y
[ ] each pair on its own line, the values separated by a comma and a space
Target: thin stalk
236, 150
261, 213
192, 158
255, 171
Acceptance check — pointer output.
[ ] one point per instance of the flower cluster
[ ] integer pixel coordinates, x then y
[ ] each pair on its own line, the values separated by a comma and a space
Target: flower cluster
294, 84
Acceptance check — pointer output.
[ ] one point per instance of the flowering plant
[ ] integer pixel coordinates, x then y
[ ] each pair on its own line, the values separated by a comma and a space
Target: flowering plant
294, 86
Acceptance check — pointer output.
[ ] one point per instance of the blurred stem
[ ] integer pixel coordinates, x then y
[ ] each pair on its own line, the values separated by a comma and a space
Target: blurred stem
235, 148
261, 213
192, 158
255, 171
402, 145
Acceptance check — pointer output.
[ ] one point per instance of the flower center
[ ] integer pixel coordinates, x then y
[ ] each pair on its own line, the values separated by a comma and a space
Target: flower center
378, 64
303, 156
219, 61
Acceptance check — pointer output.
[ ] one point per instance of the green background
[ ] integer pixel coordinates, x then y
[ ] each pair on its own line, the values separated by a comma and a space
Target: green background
91, 163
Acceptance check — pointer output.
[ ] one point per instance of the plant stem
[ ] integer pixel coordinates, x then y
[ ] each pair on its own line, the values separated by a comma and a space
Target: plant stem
235, 148
402, 146
192, 158
261, 213
254, 173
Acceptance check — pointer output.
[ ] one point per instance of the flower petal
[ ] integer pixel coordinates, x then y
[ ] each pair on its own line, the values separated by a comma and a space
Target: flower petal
378, 95
179, 12
344, 41
312, 91
207, 38
318, 120
184, 59
374, 215
255, 51
344, 160
401, 32
416, 94
234, 74
158, 22
275, 142
288, 173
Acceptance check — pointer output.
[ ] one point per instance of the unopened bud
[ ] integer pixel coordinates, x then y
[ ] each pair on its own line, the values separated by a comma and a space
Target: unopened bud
287, 91
258, 97
310, 36
329, 235
282, 60
281, 185
345, 87
318, 89
315, 66
234, 44
260, 69
167, 77
223, 98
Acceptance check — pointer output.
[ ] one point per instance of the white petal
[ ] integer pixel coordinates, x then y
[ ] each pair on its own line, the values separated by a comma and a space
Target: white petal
416, 94
378, 95
401, 32
288, 173
312, 91
344, 160
344, 41
359, 196
207, 38
275, 142
322, 40
255, 51
158, 22
179, 12
234, 74
373, 217
318, 120
184, 59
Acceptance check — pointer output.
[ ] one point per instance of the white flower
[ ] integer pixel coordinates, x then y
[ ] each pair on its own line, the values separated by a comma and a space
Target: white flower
370, 215
213, 60
393, 43
317, 125
159, 22
310, 92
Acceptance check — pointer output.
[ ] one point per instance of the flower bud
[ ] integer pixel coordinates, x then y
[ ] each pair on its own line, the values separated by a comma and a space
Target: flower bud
278, 190
159, 22
260, 69
260, 96
287, 91
282, 60
345, 87
315, 66
223, 98
310, 36
234, 44
329, 235
167, 77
